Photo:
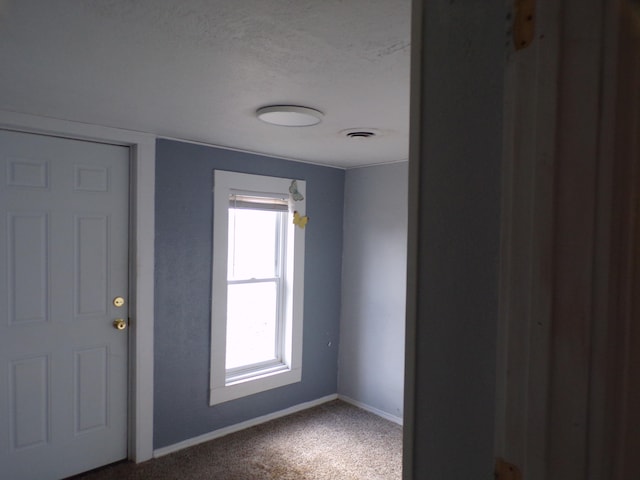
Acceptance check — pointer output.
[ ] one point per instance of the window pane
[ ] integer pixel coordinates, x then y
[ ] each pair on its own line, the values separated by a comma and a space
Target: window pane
251, 323
252, 243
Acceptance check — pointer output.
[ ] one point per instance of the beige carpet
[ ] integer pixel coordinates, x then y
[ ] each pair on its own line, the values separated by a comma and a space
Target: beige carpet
334, 441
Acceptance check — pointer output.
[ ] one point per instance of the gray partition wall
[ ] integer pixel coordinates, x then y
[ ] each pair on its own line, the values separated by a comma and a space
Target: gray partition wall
372, 326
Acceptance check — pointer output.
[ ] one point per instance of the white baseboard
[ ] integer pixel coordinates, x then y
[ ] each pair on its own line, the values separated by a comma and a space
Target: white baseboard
241, 426
369, 408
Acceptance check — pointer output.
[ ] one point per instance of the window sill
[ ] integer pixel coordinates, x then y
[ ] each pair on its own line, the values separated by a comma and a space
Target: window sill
256, 373
253, 385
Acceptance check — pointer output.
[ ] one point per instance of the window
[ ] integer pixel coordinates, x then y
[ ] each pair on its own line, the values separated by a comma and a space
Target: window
258, 275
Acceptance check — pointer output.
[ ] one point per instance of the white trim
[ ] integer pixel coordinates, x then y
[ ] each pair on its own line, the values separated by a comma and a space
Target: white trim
526, 246
370, 409
416, 111
142, 148
160, 452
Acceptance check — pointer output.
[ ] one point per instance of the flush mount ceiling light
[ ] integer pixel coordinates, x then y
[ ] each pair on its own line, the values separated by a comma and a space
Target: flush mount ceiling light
289, 115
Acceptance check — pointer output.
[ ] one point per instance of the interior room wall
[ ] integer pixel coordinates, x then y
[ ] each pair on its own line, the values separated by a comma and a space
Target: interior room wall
183, 252
372, 327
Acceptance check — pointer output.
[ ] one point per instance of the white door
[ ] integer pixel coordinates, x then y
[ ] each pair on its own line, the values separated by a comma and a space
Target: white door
63, 261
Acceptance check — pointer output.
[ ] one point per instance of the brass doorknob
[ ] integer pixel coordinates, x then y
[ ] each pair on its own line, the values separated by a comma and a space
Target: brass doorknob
120, 323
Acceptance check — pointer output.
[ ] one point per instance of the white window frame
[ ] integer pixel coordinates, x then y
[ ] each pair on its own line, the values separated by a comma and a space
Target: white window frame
222, 389
279, 279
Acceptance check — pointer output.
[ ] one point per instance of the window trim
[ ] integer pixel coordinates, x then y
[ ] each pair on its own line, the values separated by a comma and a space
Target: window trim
222, 390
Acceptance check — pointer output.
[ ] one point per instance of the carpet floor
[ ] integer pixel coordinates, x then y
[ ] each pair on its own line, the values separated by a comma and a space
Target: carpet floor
333, 441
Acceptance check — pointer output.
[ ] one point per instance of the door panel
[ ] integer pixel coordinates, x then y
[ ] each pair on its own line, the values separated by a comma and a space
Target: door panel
28, 273
63, 258
29, 393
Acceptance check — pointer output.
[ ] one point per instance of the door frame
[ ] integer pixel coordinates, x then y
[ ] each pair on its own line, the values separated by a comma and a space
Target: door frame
568, 367
142, 148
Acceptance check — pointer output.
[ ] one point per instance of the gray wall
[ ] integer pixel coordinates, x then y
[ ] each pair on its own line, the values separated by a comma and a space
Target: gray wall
183, 289
457, 94
371, 359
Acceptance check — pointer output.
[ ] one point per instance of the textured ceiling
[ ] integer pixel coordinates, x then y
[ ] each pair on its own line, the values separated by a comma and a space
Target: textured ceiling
198, 69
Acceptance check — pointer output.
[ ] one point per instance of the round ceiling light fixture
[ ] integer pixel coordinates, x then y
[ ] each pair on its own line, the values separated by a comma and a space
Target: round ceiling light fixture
289, 115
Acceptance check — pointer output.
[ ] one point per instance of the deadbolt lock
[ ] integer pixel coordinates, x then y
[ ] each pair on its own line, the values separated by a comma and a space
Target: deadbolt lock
118, 301
120, 323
